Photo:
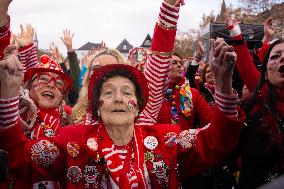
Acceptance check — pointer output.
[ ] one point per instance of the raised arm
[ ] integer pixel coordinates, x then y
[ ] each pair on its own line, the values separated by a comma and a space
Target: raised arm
193, 67
158, 62
248, 71
24, 154
67, 39
5, 33
27, 49
202, 148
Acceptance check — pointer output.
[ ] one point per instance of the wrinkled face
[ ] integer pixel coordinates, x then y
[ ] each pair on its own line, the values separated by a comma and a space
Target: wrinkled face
47, 90
177, 69
118, 102
209, 76
275, 66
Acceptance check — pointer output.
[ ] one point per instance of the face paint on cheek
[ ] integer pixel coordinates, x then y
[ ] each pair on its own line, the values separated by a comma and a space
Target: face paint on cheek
131, 105
272, 62
101, 104
36, 87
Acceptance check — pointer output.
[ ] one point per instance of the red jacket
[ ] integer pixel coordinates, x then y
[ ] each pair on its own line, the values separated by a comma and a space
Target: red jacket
210, 145
201, 111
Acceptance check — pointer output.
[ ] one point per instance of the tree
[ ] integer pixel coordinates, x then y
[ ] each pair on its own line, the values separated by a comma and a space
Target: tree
257, 11
252, 12
207, 19
257, 6
184, 44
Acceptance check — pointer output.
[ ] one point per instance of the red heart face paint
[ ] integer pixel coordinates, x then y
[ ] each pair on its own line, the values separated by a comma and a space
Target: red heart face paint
131, 105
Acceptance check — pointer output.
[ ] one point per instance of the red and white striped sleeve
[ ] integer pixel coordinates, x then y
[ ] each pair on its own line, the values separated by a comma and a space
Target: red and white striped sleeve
5, 35
227, 103
169, 15
9, 112
28, 56
158, 63
5, 30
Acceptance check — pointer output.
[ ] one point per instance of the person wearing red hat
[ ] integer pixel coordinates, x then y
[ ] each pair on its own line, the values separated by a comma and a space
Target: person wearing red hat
42, 111
47, 84
119, 149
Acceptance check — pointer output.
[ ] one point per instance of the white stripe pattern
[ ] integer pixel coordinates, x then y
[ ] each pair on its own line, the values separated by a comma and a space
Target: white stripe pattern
9, 113
227, 103
28, 57
4, 30
168, 15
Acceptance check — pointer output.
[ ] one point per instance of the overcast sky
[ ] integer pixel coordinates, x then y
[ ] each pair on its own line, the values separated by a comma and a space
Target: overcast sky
108, 20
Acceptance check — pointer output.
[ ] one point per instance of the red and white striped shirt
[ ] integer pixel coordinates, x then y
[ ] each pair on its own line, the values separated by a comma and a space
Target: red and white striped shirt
157, 71
9, 112
28, 56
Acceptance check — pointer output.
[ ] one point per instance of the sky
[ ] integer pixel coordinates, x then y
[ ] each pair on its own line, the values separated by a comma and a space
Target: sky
107, 20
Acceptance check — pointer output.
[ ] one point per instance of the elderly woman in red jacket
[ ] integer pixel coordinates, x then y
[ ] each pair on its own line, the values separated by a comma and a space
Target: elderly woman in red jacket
119, 149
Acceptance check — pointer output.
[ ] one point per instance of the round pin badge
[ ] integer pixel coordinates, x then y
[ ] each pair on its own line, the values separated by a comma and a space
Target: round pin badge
92, 144
170, 139
150, 142
74, 174
73, 149
44, 153
49, 133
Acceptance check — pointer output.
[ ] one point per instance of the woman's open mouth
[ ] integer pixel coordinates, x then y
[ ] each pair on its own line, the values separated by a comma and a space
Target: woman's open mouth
47, 94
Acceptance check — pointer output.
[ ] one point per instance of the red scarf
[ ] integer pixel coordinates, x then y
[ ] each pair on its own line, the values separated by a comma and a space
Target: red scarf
47, 119
130, 172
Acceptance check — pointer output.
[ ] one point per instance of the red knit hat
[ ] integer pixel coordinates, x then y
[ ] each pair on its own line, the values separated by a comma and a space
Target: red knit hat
138, 76
47, 64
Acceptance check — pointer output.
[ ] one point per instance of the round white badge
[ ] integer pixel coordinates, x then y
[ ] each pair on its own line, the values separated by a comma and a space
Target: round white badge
150, 142
92, 144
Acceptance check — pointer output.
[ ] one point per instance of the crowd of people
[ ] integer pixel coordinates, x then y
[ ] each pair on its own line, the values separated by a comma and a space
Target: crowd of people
175, 123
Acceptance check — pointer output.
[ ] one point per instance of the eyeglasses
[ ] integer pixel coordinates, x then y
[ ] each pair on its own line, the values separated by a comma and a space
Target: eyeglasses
46, 78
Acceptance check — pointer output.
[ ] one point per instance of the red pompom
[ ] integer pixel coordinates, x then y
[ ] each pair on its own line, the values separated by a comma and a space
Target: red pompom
44, 59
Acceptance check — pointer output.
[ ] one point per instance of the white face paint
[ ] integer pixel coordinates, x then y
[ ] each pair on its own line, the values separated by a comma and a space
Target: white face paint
118, 102
275, 66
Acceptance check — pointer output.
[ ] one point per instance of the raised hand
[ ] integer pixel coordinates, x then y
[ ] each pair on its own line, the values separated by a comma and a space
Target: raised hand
4, 5
222, 60
87, 58
200, 44
55, 52
67, 39
102, 46
11, 76
233, 27
26, 36
268, 30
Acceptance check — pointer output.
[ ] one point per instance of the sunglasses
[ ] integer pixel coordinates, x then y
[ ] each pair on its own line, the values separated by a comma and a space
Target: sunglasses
46, 78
